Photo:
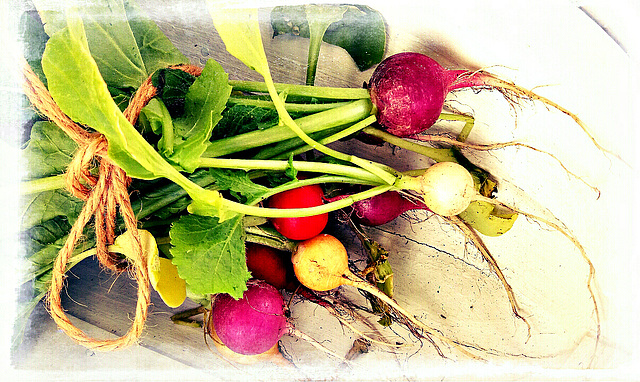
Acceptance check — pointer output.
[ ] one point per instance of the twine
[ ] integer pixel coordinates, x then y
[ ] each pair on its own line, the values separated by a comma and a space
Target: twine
104, 194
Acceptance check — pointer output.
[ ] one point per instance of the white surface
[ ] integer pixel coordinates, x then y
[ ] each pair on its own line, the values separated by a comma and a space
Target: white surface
544, 43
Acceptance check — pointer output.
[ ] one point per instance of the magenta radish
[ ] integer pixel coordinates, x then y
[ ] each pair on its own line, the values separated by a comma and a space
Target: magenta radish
409, 89
252, 324
382, 208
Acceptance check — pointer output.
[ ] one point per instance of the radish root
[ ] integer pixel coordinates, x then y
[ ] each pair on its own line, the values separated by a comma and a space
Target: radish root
569, 235
512, 92
352, 280
495, 146
479, 244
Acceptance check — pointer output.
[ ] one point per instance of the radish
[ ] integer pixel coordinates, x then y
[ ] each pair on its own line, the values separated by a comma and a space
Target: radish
321, 264
409, 89
446, 187
382, 208
299, 228
267, 264
272, 355
252, 324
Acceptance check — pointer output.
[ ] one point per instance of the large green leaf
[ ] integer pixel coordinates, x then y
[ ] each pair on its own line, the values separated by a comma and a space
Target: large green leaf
42, 206
361, 31
77, 87
126, 46
210, 255
48, 152
239, 29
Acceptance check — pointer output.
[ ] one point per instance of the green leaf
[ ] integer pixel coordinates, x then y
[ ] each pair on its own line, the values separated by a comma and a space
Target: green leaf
48, 153
204, 103
156, 50
172, 86
361, 31
210, 255
238, 182
33, 38
40, 207
156, 117
77, 87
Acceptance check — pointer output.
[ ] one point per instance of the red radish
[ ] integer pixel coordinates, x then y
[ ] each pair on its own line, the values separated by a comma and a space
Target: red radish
382, 208
408, 89
252, 324
268, 264
301, 228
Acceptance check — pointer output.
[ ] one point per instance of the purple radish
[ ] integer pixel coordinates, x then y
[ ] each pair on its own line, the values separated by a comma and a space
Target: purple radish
382, 208
408, 89
252, 324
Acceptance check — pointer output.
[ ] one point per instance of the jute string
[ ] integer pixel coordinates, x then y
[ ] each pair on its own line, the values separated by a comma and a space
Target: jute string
105, 192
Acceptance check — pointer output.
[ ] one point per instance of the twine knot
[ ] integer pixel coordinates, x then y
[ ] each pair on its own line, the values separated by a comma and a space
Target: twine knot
93, 177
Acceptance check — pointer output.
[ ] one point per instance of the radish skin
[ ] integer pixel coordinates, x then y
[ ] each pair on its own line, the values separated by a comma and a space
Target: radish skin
382, 208
446, 187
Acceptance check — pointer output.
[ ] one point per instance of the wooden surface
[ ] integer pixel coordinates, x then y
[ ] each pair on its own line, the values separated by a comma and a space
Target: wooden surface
436, 274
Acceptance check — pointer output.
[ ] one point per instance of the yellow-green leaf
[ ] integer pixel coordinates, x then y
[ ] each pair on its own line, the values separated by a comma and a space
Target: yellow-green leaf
164, 278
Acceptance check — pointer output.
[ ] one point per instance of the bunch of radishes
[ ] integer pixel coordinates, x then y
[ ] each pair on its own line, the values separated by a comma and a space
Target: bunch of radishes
408, 91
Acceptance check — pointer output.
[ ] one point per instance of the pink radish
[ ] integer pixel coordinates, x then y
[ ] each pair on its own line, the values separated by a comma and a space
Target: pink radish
248, 330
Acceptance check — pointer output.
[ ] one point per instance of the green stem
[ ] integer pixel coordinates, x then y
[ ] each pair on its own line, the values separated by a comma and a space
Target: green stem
290, 107
334, 137
354, 173
270, 238
319, 17
455, 117
286, 148
171, 193
286, 120
438, 155
315, 41
49, 183
302, 212
466, 130
349, 113
320, 92
307, 182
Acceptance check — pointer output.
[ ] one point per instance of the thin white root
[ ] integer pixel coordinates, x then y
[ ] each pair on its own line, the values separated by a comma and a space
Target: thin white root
569, 235
316, 344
